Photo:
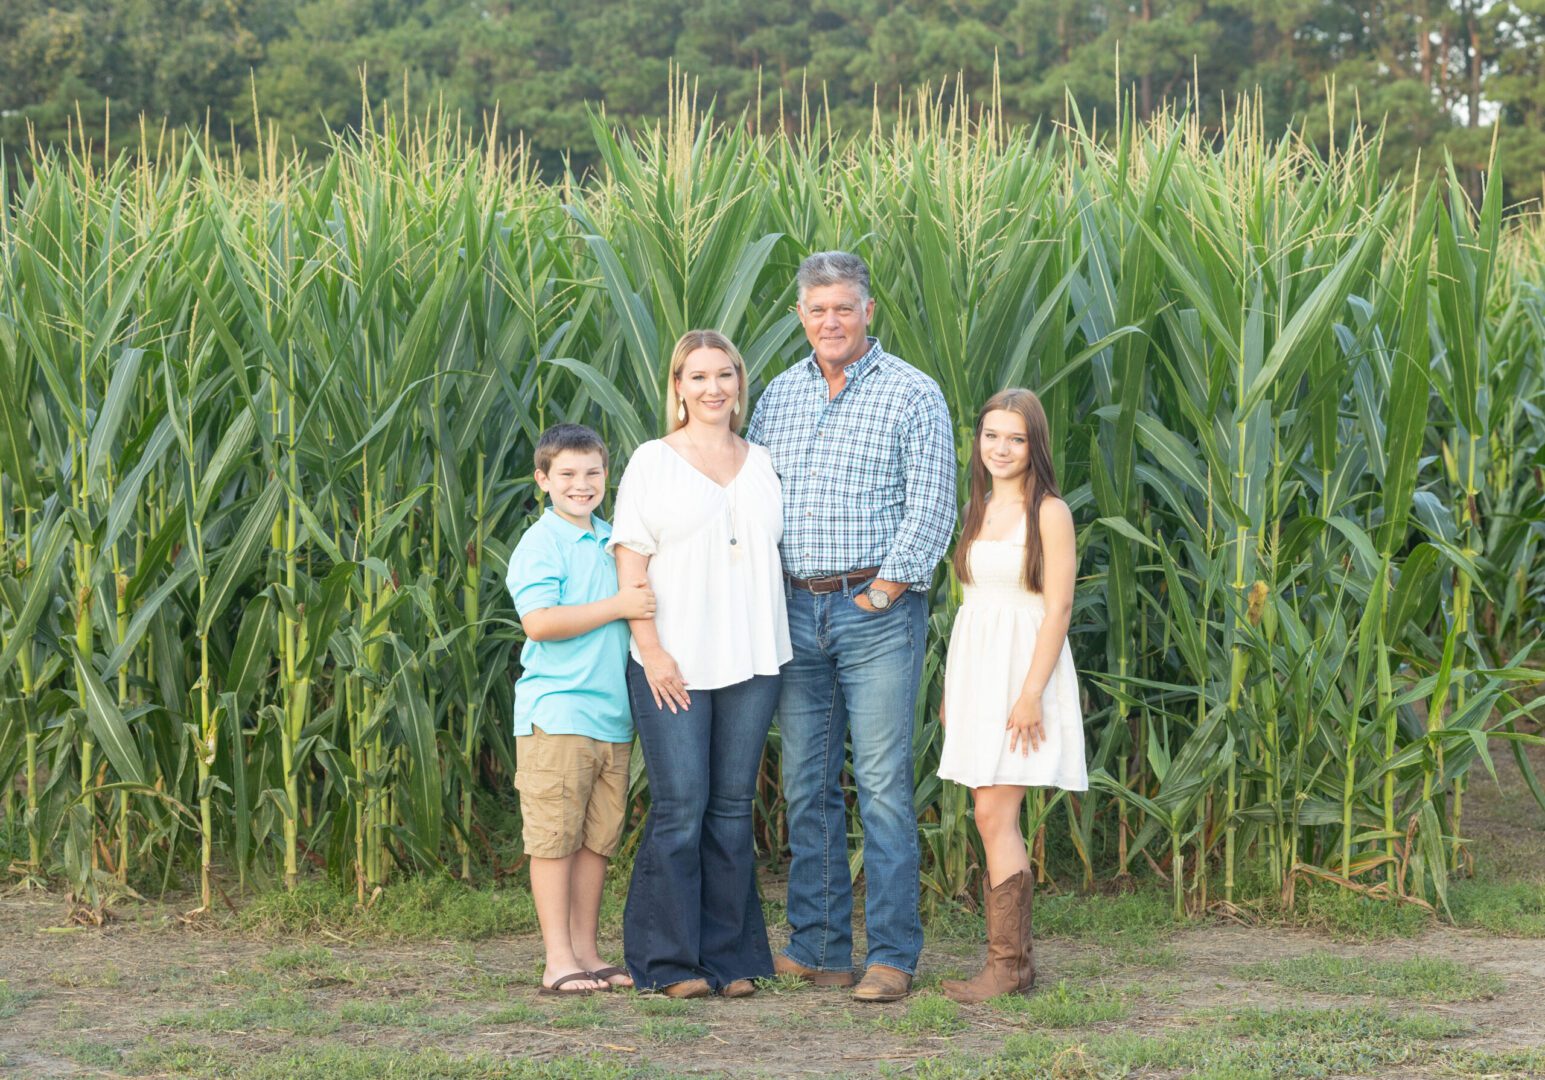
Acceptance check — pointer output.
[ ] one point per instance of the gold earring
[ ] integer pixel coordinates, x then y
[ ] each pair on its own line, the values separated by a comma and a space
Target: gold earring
681, 411
735, 411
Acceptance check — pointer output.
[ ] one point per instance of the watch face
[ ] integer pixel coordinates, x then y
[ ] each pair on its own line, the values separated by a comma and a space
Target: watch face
880, 599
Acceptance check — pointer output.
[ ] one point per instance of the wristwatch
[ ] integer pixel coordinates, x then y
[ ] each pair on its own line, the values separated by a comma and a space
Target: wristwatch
879, 599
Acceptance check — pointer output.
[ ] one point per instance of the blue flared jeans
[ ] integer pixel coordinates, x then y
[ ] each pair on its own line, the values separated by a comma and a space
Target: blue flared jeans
693, 909
855, 676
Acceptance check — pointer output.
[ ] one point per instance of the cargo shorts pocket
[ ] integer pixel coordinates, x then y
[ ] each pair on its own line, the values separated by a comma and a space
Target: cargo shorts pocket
549, 826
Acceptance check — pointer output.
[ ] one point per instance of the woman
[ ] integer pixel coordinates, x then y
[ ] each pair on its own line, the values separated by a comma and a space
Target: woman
700, 512
1011, 711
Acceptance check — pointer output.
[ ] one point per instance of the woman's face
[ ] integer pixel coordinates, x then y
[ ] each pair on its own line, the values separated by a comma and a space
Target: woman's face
709, 386
1005, 444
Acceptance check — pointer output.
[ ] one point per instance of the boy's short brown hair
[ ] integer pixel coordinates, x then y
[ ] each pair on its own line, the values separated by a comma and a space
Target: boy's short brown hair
560, 437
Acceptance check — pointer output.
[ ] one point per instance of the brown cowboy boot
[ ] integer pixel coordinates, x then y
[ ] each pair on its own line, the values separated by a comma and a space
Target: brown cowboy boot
1010, 967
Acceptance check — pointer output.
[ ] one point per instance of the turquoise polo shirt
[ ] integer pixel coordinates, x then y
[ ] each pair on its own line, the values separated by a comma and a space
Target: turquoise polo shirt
577, 686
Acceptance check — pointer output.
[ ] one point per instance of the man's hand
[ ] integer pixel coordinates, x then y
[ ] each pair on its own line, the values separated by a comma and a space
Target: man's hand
893, 589
1024, 726
635, 601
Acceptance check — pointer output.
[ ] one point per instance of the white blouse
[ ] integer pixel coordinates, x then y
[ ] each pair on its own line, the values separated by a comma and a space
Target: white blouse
713, 562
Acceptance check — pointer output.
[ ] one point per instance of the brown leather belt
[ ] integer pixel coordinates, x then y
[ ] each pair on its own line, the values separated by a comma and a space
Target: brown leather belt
834, 582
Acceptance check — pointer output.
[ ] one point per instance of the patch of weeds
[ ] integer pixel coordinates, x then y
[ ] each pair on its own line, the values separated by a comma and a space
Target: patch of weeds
1064, 1005
662, 1030
953, 923
1416, 979
585, 1013
663, 1006
1132, 920
782, 984
516, 1012
311, 956
926, 1015
179, 1057
87, 1052
105, 977
265, 1012
11, 1001
1512, 909
1500, 1064
417, 909
775, 913
1349, 916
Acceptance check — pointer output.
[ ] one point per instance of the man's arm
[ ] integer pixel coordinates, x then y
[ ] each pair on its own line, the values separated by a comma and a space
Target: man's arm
928, 462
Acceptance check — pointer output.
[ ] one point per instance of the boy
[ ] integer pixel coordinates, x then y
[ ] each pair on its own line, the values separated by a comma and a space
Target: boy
573, 725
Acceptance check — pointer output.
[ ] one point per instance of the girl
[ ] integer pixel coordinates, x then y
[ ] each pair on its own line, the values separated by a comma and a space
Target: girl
1010, 692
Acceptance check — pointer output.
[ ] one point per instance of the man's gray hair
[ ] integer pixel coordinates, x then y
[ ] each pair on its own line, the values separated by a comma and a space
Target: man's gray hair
833, 268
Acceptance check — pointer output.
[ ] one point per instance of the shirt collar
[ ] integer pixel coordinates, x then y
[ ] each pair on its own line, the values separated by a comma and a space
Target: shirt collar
599, 529
858, 368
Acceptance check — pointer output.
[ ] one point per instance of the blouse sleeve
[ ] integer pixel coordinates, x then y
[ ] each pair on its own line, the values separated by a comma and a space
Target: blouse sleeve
631, 524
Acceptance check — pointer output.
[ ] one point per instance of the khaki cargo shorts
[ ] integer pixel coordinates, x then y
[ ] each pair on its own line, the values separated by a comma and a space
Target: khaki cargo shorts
573, 793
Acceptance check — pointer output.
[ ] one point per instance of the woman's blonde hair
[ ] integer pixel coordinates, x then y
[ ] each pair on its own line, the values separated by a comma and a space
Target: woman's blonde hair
687, 344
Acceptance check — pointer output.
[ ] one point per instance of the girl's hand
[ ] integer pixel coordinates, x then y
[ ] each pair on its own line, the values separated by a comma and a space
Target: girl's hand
1024, 727
665, 681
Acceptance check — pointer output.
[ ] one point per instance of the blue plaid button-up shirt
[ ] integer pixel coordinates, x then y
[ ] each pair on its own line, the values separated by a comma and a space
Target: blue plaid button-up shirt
868, 476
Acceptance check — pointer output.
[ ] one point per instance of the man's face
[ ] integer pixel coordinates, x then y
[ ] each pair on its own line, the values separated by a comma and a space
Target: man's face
575, 482
836, 322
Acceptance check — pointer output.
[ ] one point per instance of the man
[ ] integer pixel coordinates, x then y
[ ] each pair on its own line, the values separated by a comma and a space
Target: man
862, 444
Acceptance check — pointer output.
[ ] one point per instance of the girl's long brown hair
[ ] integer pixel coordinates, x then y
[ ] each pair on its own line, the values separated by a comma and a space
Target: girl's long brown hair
1040, 483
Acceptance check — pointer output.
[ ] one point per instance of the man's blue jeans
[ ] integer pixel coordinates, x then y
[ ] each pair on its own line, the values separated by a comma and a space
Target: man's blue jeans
853, 673
693, 910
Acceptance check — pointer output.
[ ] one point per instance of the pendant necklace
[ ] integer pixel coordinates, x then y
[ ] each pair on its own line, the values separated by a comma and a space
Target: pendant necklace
727, 489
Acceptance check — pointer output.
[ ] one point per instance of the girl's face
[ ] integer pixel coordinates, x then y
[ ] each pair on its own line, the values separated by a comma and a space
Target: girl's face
708, 385
1005, 445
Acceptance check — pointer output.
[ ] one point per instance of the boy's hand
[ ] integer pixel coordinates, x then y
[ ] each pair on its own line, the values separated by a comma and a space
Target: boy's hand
636, 601
1024, 726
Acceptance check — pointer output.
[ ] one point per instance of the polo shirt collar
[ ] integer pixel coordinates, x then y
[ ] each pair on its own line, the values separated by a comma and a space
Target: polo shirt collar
858, 368
599, 529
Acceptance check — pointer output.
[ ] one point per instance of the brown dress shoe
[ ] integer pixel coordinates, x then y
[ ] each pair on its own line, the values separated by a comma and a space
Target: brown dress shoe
688, 988
738, 988
785, 965
883, 983
1010, 967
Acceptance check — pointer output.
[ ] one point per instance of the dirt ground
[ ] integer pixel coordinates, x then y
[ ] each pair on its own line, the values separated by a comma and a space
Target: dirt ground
149, 996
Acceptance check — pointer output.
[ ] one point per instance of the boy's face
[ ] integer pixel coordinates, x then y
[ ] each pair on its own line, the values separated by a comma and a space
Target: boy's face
575, 482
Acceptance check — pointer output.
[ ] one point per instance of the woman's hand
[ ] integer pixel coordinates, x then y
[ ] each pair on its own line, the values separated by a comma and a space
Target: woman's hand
941, 711
665, 681
1024, 726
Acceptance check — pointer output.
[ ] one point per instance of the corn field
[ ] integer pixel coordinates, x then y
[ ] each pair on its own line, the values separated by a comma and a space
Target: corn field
265, 447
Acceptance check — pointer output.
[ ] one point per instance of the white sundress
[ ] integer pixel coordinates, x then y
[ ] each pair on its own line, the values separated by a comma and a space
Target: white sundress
991, 646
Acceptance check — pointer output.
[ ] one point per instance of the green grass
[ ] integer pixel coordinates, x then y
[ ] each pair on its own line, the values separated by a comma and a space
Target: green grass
927, 1014
1415, 979
516, 1012
11, 1001
1137, 919
418, 909
89, 1052
665, 1030
1511, 909
264, 1012
584, 1013
337, 1062
662, 1006
1248, 1044
1064, 1005
176, 1057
